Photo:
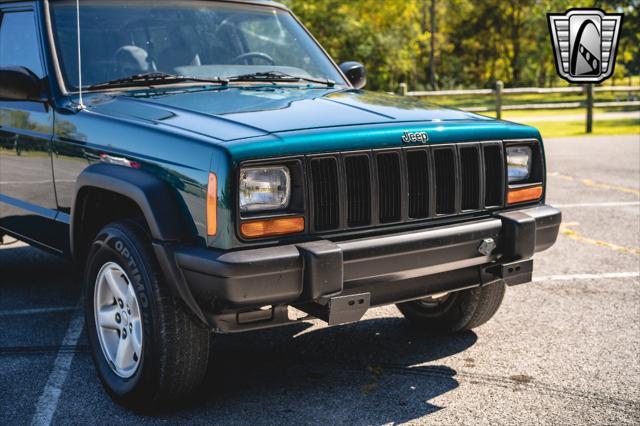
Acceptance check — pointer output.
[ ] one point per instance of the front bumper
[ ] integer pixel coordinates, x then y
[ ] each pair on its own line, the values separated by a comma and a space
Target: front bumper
324, 276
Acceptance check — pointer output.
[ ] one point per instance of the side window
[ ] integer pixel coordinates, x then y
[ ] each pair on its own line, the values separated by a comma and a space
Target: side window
19, 44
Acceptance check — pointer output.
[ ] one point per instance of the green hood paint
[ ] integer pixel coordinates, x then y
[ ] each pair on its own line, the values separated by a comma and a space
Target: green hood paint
271, 121
270, 109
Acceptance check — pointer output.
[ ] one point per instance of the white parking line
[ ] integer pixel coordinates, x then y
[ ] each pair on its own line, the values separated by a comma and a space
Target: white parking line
48, 401
612, 204
603, 276
37, 311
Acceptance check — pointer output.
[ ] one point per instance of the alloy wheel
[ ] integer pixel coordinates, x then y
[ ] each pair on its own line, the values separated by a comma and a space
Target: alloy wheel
118, 320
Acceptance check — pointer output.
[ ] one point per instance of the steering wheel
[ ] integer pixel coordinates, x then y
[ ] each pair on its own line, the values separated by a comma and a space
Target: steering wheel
257, 55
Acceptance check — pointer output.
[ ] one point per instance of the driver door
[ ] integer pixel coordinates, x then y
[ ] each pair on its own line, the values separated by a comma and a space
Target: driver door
27, 193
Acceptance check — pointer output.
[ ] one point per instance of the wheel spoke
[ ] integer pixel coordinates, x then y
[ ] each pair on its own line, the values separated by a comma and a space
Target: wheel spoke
107, 317
114, 284
124, 354
136, 338
131, 296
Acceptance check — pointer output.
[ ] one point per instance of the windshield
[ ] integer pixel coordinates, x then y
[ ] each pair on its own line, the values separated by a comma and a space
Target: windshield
204, 39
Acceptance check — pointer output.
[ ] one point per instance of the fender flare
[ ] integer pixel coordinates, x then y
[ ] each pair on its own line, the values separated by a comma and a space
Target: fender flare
160, 205
155, 198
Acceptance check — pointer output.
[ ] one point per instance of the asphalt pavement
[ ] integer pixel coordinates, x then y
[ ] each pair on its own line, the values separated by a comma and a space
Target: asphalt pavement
562, 350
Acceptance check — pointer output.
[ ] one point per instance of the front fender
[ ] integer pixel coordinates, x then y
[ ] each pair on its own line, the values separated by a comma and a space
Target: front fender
160, 204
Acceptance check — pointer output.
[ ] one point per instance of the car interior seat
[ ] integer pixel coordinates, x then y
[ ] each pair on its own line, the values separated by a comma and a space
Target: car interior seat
178, 55
129, 60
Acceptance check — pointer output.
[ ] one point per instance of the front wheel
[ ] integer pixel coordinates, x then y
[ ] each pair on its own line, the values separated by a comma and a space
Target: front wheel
455, 312
147, 350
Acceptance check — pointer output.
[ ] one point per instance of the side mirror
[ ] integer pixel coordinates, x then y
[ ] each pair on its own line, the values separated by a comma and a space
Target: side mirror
19, 84
356, 74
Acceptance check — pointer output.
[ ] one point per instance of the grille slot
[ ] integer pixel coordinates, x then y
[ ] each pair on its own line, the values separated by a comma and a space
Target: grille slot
389, 187
326, 196
358, 190
494, 175
470, 178
418, 184
445, 168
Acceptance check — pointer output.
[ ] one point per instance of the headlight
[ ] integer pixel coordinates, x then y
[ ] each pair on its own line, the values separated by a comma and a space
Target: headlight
264, 189
519, 159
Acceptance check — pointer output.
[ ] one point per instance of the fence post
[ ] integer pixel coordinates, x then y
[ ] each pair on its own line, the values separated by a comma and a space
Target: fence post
403, 89
498, 92
589, 89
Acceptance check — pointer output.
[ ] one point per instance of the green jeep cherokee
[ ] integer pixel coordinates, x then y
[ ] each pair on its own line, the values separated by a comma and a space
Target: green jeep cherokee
207, 167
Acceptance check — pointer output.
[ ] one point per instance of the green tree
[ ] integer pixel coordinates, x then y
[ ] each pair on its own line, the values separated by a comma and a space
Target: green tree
454, 43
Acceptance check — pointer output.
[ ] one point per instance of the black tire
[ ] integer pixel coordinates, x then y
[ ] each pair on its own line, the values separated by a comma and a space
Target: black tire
175, 349
460, 311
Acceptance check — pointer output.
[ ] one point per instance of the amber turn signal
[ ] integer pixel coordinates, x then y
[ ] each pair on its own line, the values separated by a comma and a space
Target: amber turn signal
272, 227
521, 195
212, 205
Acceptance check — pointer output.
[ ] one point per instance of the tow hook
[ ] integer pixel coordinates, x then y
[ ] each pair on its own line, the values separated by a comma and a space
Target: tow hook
339, 309
513, 273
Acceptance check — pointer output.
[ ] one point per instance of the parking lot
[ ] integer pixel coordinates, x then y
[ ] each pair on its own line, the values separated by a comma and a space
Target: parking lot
562, 350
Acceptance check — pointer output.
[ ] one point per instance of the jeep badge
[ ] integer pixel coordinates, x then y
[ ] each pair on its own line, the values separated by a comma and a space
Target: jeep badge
418, 137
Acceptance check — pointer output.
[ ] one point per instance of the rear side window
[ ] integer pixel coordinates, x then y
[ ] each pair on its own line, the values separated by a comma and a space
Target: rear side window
19, 45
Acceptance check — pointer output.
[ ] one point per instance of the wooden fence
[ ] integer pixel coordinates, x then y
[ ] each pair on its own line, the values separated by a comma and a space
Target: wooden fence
499, 91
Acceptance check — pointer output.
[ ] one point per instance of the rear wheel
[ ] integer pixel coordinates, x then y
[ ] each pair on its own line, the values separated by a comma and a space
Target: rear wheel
455, 312
147, 350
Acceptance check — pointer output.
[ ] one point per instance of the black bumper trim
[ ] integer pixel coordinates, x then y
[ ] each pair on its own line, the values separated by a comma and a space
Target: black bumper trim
385, 266
518, 235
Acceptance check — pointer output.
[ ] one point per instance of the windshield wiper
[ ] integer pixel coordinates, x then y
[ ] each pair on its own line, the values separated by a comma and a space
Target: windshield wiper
277, 76
154, 78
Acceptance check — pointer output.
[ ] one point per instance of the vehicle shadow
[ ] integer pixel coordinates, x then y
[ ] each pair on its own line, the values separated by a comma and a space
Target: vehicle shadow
33, 276
23, 263
371, 372
365, 373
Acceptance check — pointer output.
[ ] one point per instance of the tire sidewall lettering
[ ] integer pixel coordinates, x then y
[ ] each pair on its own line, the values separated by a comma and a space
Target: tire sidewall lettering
134, 272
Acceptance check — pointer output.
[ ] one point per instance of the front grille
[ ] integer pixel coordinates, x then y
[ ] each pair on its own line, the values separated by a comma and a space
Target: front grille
395, 186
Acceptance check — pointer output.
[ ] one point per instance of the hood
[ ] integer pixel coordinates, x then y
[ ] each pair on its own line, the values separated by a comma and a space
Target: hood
232, 113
